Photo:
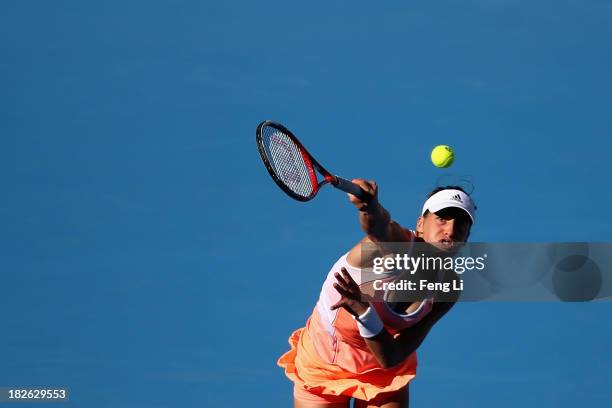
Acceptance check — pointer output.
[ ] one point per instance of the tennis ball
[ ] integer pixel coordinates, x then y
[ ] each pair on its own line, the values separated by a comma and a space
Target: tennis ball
442, 156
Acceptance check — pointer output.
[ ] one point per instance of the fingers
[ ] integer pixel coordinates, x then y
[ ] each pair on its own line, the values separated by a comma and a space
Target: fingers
349, 279
345, 281
348, 289
346, 286
368, 186
343, 291
345, 296
345, 306
337, 305
340, 281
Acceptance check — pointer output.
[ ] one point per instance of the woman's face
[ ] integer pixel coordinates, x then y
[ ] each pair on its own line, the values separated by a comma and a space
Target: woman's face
445, 228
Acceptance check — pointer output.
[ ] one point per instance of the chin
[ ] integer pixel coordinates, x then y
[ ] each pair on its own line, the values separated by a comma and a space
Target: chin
448, 246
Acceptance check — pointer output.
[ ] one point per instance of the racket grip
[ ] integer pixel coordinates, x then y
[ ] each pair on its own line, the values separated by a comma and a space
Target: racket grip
352, 188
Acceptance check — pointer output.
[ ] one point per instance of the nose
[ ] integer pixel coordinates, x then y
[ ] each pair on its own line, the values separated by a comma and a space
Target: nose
449, 228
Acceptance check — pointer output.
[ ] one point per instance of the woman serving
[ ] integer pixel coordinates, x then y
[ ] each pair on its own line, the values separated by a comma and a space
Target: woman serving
366, 351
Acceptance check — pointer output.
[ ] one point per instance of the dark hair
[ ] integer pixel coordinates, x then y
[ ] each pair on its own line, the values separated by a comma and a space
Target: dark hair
438, 189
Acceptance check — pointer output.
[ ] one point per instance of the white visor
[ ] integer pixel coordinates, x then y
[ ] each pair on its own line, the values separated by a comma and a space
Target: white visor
450, 198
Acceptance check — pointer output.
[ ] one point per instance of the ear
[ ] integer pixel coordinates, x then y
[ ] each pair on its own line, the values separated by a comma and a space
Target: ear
419, 226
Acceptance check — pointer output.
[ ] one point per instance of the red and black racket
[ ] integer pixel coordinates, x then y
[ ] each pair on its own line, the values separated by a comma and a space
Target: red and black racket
293, 168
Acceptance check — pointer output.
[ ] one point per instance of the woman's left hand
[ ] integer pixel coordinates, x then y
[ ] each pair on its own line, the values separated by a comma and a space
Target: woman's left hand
350, 294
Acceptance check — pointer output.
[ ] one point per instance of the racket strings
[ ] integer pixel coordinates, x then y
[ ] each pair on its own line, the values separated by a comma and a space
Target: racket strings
288, 163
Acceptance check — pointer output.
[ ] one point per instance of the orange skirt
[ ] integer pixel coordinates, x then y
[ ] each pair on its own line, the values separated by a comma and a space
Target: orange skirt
305, 368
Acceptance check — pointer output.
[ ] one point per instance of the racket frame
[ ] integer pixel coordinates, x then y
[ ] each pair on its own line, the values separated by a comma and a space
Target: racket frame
328, 178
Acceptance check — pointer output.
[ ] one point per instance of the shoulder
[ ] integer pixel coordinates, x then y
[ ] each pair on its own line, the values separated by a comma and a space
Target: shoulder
396, 233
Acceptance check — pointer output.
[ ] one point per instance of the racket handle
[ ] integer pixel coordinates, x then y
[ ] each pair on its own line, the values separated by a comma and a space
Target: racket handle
351, 188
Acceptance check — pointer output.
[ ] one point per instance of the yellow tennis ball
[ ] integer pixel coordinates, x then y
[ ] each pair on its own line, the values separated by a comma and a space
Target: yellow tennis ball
442, 156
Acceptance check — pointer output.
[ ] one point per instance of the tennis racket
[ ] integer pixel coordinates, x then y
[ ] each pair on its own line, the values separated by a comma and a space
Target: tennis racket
294, 169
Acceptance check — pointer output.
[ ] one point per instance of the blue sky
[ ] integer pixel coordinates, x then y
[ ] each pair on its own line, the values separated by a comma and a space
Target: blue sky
148, 259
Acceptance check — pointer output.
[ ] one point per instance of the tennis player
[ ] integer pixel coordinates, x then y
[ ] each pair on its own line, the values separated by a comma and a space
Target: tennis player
366, 351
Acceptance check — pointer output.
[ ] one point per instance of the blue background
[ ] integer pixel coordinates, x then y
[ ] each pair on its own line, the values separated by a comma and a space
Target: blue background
147, 259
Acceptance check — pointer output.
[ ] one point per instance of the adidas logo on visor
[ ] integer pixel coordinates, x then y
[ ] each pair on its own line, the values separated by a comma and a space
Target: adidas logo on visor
457, 197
